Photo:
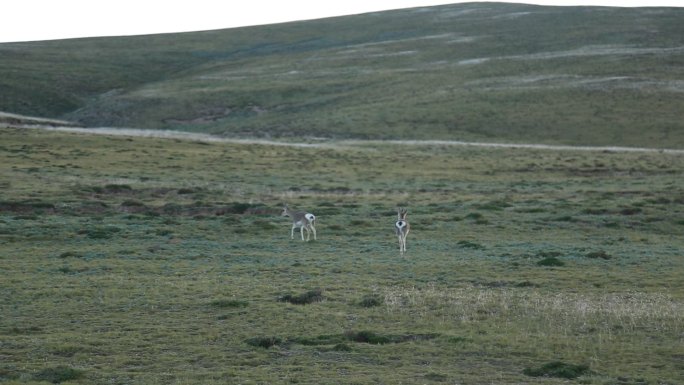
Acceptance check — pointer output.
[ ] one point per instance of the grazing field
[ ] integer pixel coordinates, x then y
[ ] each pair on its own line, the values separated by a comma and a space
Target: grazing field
164, 261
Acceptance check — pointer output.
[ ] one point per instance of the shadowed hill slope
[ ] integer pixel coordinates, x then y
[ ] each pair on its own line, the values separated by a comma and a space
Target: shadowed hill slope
477, 71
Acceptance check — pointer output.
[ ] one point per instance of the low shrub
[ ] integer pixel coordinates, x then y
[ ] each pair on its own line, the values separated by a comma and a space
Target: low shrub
68, 254
470, 245
601, 254
494, 205
342, 348
186, 190
228, 303
371, 301
325, 339
264, 225
118, 188
58, 374
100, 232
457, 340
551, 262
132, 203
360, 223
549, 254
526, 284
264, 342
367, 337
564, 218
557, 369
311, 296
432, 376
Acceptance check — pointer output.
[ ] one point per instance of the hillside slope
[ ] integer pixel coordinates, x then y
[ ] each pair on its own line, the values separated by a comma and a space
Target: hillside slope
477, 71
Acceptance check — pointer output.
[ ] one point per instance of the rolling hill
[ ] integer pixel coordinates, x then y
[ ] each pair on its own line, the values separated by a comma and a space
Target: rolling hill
475, 71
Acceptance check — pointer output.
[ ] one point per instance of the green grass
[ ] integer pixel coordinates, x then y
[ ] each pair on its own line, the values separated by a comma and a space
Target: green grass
494, 72
189, 284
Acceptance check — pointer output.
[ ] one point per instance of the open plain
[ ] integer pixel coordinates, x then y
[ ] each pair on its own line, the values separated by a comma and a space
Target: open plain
133, 260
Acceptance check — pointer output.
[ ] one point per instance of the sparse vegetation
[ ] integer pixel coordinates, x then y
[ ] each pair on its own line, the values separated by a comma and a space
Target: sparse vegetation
185, 288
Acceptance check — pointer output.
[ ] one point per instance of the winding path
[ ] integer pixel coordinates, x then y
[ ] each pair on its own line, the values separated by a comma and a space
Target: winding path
181, 135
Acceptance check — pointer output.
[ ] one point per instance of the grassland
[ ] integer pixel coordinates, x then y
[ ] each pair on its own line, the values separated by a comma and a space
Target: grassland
163, 261
485, 72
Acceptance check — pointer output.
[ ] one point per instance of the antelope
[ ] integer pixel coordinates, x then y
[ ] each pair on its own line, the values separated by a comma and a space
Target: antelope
303, 220
402, 227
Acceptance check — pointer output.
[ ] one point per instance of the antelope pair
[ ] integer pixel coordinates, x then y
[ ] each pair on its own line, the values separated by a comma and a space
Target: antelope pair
307, 221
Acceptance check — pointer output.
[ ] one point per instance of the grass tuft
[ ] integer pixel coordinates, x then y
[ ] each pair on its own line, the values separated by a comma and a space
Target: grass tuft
311, 296
58, 374
470, 245
437, 377
342, 348
71, 254
100, 232
264, 342
367, 337
228, 303
118, 188
371, 301
601, 254
551, 262
557, 369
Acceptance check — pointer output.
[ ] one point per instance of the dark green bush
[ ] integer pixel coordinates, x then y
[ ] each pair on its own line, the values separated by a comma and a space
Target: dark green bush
557, 369
551, 261
526, 284
264, 342
365, 336
325, 339
58, 374
549, 254
599, 254
470, 245
118, 188
228, 303
311, 296
432, 376
494, 205
457, 340
371, 301
239, 207
342, 348
100, 232
360, 223
187, 190
368, 337
264, 225
68, 254
474, 216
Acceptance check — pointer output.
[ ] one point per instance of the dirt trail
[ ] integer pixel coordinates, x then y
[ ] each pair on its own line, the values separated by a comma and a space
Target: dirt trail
166, 134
